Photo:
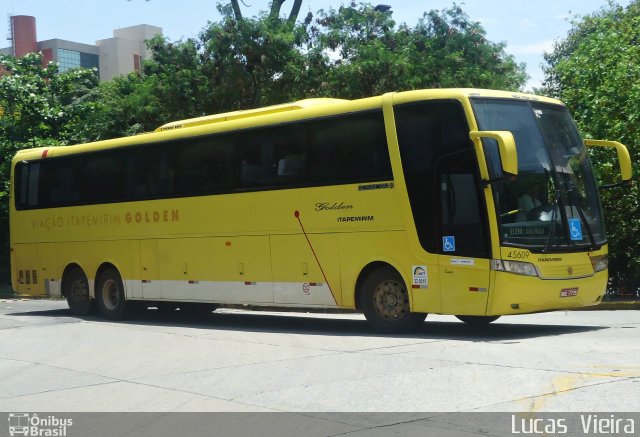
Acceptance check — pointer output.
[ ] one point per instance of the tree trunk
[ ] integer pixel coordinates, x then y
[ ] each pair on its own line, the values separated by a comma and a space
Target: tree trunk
295, 10
275, 9
236, 10
276, 5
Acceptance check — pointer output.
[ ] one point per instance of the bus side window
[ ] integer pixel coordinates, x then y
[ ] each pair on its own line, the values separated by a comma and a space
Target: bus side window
27, 184
441, 175
58, 179
256, 157
203, 166
290, 152
348, 148
460, 212
101, 177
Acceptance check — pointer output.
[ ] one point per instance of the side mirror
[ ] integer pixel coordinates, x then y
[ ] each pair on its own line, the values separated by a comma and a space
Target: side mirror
506, 148
623, 159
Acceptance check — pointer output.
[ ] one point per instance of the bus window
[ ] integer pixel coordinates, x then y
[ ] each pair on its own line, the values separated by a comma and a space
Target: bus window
257, 158
460, 207
290, 154
352, 147
149, 175
101, 177
204, 166
438, 160
58, 180
27, 176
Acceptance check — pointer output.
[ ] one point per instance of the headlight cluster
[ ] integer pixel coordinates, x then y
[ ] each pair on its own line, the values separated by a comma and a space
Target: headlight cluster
599, 263
515, 267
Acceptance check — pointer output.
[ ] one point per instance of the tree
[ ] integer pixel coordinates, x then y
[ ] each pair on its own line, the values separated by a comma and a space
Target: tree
355, 51
276, 6
38, 107
369, 55
173, 85
595, 70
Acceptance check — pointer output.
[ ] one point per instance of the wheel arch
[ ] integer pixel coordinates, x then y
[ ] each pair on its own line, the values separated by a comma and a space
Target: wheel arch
366, 271
65, 277
105, 266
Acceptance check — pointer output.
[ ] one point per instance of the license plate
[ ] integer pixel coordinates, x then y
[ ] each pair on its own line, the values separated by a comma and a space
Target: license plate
569, 292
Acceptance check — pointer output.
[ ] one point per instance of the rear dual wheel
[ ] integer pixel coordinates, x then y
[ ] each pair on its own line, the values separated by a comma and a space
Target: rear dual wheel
76, 289
110, 295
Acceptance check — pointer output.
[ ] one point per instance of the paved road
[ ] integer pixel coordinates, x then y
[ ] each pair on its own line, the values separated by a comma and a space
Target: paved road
234, 360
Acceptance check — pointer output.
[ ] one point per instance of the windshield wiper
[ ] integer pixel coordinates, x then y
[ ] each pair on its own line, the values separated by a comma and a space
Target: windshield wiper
584, 221
552, 230
575, 204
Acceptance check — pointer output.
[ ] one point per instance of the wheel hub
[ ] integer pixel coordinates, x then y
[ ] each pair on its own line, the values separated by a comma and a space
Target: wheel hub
110, 294
78, 290
391, 300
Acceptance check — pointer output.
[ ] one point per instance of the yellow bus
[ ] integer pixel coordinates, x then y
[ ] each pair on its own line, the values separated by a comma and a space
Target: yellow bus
468, 202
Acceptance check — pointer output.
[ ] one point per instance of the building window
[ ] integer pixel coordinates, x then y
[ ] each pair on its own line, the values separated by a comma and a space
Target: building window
68, 59
137, 63
88, 60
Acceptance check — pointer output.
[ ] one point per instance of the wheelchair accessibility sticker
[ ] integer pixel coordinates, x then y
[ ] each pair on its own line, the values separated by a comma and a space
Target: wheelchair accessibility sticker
449, 244
575, 229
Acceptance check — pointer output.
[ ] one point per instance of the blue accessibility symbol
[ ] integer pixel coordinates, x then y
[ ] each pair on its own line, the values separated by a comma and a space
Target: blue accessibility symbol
575, 229
449, 244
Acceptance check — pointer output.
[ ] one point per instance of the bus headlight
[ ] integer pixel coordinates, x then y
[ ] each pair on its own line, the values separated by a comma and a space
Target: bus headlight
599, 263
515, 267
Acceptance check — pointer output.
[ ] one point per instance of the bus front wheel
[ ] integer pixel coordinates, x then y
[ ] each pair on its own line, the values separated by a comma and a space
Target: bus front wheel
384, 300
110, 295
76, 290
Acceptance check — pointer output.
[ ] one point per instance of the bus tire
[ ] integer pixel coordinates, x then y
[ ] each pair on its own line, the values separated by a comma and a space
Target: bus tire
76, 289
384, 300
478, 320
110, 295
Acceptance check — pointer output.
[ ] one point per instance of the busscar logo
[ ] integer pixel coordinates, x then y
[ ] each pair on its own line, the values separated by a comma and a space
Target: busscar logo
31, 425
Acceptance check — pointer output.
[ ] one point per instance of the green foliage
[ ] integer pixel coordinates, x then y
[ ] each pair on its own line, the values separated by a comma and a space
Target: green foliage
370, 56
38, 107
595, 70
351, 52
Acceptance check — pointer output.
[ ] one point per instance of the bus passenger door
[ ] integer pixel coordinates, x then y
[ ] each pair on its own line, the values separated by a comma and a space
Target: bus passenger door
463, 236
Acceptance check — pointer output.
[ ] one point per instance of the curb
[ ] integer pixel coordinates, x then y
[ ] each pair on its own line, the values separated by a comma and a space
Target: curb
621, 305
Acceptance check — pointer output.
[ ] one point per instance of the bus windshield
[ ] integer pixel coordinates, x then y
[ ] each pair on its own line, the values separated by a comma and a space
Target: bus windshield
553, 204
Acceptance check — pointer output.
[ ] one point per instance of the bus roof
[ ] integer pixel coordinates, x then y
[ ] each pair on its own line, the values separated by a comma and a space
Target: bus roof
235, 115
308, 107
308, 103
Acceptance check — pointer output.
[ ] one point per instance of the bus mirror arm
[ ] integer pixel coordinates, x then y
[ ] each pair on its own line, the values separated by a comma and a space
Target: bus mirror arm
624, 160
506, 148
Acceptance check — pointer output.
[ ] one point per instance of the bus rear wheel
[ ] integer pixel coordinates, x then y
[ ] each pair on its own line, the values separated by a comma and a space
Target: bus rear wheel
110, 295
478, 320
384, 300
76, 290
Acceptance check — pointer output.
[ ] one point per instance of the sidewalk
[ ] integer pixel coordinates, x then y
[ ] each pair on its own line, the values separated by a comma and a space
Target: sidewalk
614, 305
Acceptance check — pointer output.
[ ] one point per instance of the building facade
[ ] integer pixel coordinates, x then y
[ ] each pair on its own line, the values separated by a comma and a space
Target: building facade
126, 51
123, 53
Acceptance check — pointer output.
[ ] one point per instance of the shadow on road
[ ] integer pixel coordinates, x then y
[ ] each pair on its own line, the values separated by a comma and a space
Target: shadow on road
504, 329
